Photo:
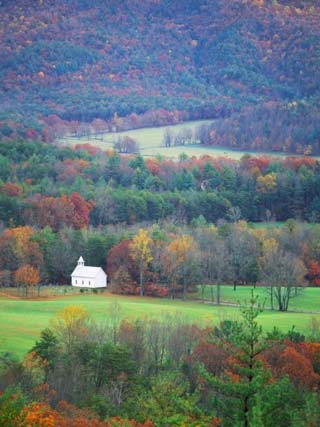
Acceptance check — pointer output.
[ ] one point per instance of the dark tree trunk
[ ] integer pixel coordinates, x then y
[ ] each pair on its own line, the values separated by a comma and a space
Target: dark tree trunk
211, 293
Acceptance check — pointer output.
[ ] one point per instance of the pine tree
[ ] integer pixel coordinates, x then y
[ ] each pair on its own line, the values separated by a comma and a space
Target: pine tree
237, 391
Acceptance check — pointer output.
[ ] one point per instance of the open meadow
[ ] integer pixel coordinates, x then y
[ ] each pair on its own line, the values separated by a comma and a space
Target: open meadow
150, 141
21, 321
307, 300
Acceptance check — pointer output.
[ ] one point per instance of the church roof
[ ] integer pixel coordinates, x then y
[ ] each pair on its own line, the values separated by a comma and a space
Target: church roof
84, 271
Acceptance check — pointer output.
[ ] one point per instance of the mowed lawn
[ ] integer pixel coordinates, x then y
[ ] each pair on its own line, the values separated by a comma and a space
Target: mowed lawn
21, 321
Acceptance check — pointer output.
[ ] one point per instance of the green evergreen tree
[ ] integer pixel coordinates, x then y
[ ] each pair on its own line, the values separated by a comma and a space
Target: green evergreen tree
237, 391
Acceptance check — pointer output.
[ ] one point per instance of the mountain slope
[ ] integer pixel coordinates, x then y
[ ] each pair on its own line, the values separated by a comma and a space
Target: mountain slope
82, 60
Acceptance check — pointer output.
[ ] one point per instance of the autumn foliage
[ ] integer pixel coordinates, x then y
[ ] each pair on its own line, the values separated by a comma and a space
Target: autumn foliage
226, 57
298, 367
11, 189
27, 275
120, 262
66, 415
141, 253
58, 212
314, 272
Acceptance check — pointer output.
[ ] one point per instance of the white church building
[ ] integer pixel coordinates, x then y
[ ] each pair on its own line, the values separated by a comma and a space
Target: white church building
88, 277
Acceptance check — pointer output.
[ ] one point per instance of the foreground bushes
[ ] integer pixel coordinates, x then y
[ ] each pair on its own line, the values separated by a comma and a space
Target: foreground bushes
145, 373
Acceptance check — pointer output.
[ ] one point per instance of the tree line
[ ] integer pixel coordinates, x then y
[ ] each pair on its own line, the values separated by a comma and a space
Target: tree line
167, 260
42, 185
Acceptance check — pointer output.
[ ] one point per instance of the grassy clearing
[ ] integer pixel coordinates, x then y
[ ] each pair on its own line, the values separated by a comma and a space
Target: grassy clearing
278, 224
307, 300
150, 143
21, 321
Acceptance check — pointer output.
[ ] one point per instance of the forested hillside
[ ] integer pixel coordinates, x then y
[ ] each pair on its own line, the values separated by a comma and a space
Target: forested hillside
254, 64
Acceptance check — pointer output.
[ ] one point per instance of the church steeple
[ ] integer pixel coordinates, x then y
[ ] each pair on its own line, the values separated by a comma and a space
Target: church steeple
81, 262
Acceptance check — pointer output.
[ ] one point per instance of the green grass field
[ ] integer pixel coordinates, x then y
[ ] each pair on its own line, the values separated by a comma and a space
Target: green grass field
307, 300
150, 143
21, 321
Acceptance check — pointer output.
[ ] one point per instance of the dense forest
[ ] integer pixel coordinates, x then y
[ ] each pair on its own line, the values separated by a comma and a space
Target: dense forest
45, 185
252, 64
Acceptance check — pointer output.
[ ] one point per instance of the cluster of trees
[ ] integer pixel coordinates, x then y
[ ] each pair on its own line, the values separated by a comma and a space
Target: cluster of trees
183, 137
159, 262
126, 145
168, 260
53, 256
162, 373
52, 127
82, 63
262, 128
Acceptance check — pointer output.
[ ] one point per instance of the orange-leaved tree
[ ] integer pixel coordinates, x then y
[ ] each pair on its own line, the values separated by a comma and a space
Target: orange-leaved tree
81, 210
39, 415
26, 250
11, 189
314, 272
27, 276
65, 415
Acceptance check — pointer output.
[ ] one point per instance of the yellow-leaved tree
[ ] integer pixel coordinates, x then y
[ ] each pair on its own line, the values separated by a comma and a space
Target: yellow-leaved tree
140, 248
71, 324
267, 183
178, 251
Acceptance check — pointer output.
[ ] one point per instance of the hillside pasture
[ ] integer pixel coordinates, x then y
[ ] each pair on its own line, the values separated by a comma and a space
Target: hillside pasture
21, 321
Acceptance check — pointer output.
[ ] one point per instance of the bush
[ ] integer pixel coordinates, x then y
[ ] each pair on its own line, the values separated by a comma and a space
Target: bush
154, 290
